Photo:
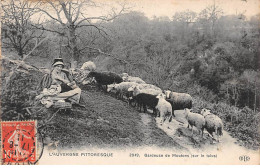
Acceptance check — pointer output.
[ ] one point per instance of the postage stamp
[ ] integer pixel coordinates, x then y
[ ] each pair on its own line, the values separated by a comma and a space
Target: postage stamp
18, 142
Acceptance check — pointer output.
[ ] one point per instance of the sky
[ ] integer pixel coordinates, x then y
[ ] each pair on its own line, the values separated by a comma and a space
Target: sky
169, 7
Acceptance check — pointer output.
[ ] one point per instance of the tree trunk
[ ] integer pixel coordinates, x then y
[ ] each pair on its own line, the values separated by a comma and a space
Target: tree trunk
248, 89
255, 99
20, 53
73, 46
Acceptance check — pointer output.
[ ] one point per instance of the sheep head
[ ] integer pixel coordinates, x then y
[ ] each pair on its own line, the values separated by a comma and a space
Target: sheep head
136, 90
124, 76
204, 112
131, 89
167, 93
161, 95
110, 87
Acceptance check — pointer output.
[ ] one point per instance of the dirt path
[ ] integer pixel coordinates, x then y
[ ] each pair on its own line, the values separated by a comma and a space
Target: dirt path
183, 136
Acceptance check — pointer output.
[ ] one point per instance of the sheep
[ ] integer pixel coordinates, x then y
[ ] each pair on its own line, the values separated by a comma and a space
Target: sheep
121, 88
145, 86
124, 75
89, 66
167, 93
134, 79
195, 119
164, 108
105, 78
144, 100
179, 101
162, 95
149, 86
128, 78
213, 123
136, 91
157, 103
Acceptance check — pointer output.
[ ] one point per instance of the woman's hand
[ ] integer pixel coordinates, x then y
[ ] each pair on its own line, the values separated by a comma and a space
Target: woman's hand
72, 85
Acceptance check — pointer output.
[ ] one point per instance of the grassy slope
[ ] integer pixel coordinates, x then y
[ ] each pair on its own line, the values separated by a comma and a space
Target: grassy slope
106, 123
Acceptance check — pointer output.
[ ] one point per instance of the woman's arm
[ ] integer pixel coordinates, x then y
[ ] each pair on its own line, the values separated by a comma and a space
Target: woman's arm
61, 77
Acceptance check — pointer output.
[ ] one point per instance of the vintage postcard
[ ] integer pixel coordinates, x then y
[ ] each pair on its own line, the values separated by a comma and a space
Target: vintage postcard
148, 82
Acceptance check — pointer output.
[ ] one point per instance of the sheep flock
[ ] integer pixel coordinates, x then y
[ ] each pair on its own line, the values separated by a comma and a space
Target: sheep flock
144, 96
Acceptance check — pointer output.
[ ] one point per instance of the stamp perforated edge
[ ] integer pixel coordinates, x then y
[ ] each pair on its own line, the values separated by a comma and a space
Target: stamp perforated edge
9, 121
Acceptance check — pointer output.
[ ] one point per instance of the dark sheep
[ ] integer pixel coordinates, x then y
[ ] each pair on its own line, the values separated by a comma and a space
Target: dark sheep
144, 100
180, 101
105, 78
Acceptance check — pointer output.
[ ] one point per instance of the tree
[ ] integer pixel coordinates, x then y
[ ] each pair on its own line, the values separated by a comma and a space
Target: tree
69, 14
17, 29
209, 16
186, 16
183, 21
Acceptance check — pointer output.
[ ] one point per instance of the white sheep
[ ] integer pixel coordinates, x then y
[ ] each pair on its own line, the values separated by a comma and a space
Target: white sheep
124, 76
162, 95
134, 79
195, 119
89, 66
213, 123
164, 108
128, 78
167, 93
137, 90
145, 86
149, 86
121, 88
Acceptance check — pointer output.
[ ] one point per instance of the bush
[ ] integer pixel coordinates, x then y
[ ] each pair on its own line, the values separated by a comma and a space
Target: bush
244, 129
18, 93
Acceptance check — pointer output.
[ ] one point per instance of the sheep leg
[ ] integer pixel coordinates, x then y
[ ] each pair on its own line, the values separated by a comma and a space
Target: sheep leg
117, 93
202, 132
154, 112
137, 105
173, 113
216, 132
132, 102
140, 106
129, 101
164, 118
170, 119
161, 121
145, 108
158, 113
99, 86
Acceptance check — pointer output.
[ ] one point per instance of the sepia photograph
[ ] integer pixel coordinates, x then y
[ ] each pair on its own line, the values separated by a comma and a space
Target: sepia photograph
130, 82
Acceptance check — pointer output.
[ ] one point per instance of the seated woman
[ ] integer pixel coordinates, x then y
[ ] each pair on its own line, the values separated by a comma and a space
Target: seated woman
61, 88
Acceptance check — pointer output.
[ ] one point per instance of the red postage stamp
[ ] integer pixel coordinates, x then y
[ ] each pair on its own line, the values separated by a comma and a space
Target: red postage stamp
18, 142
